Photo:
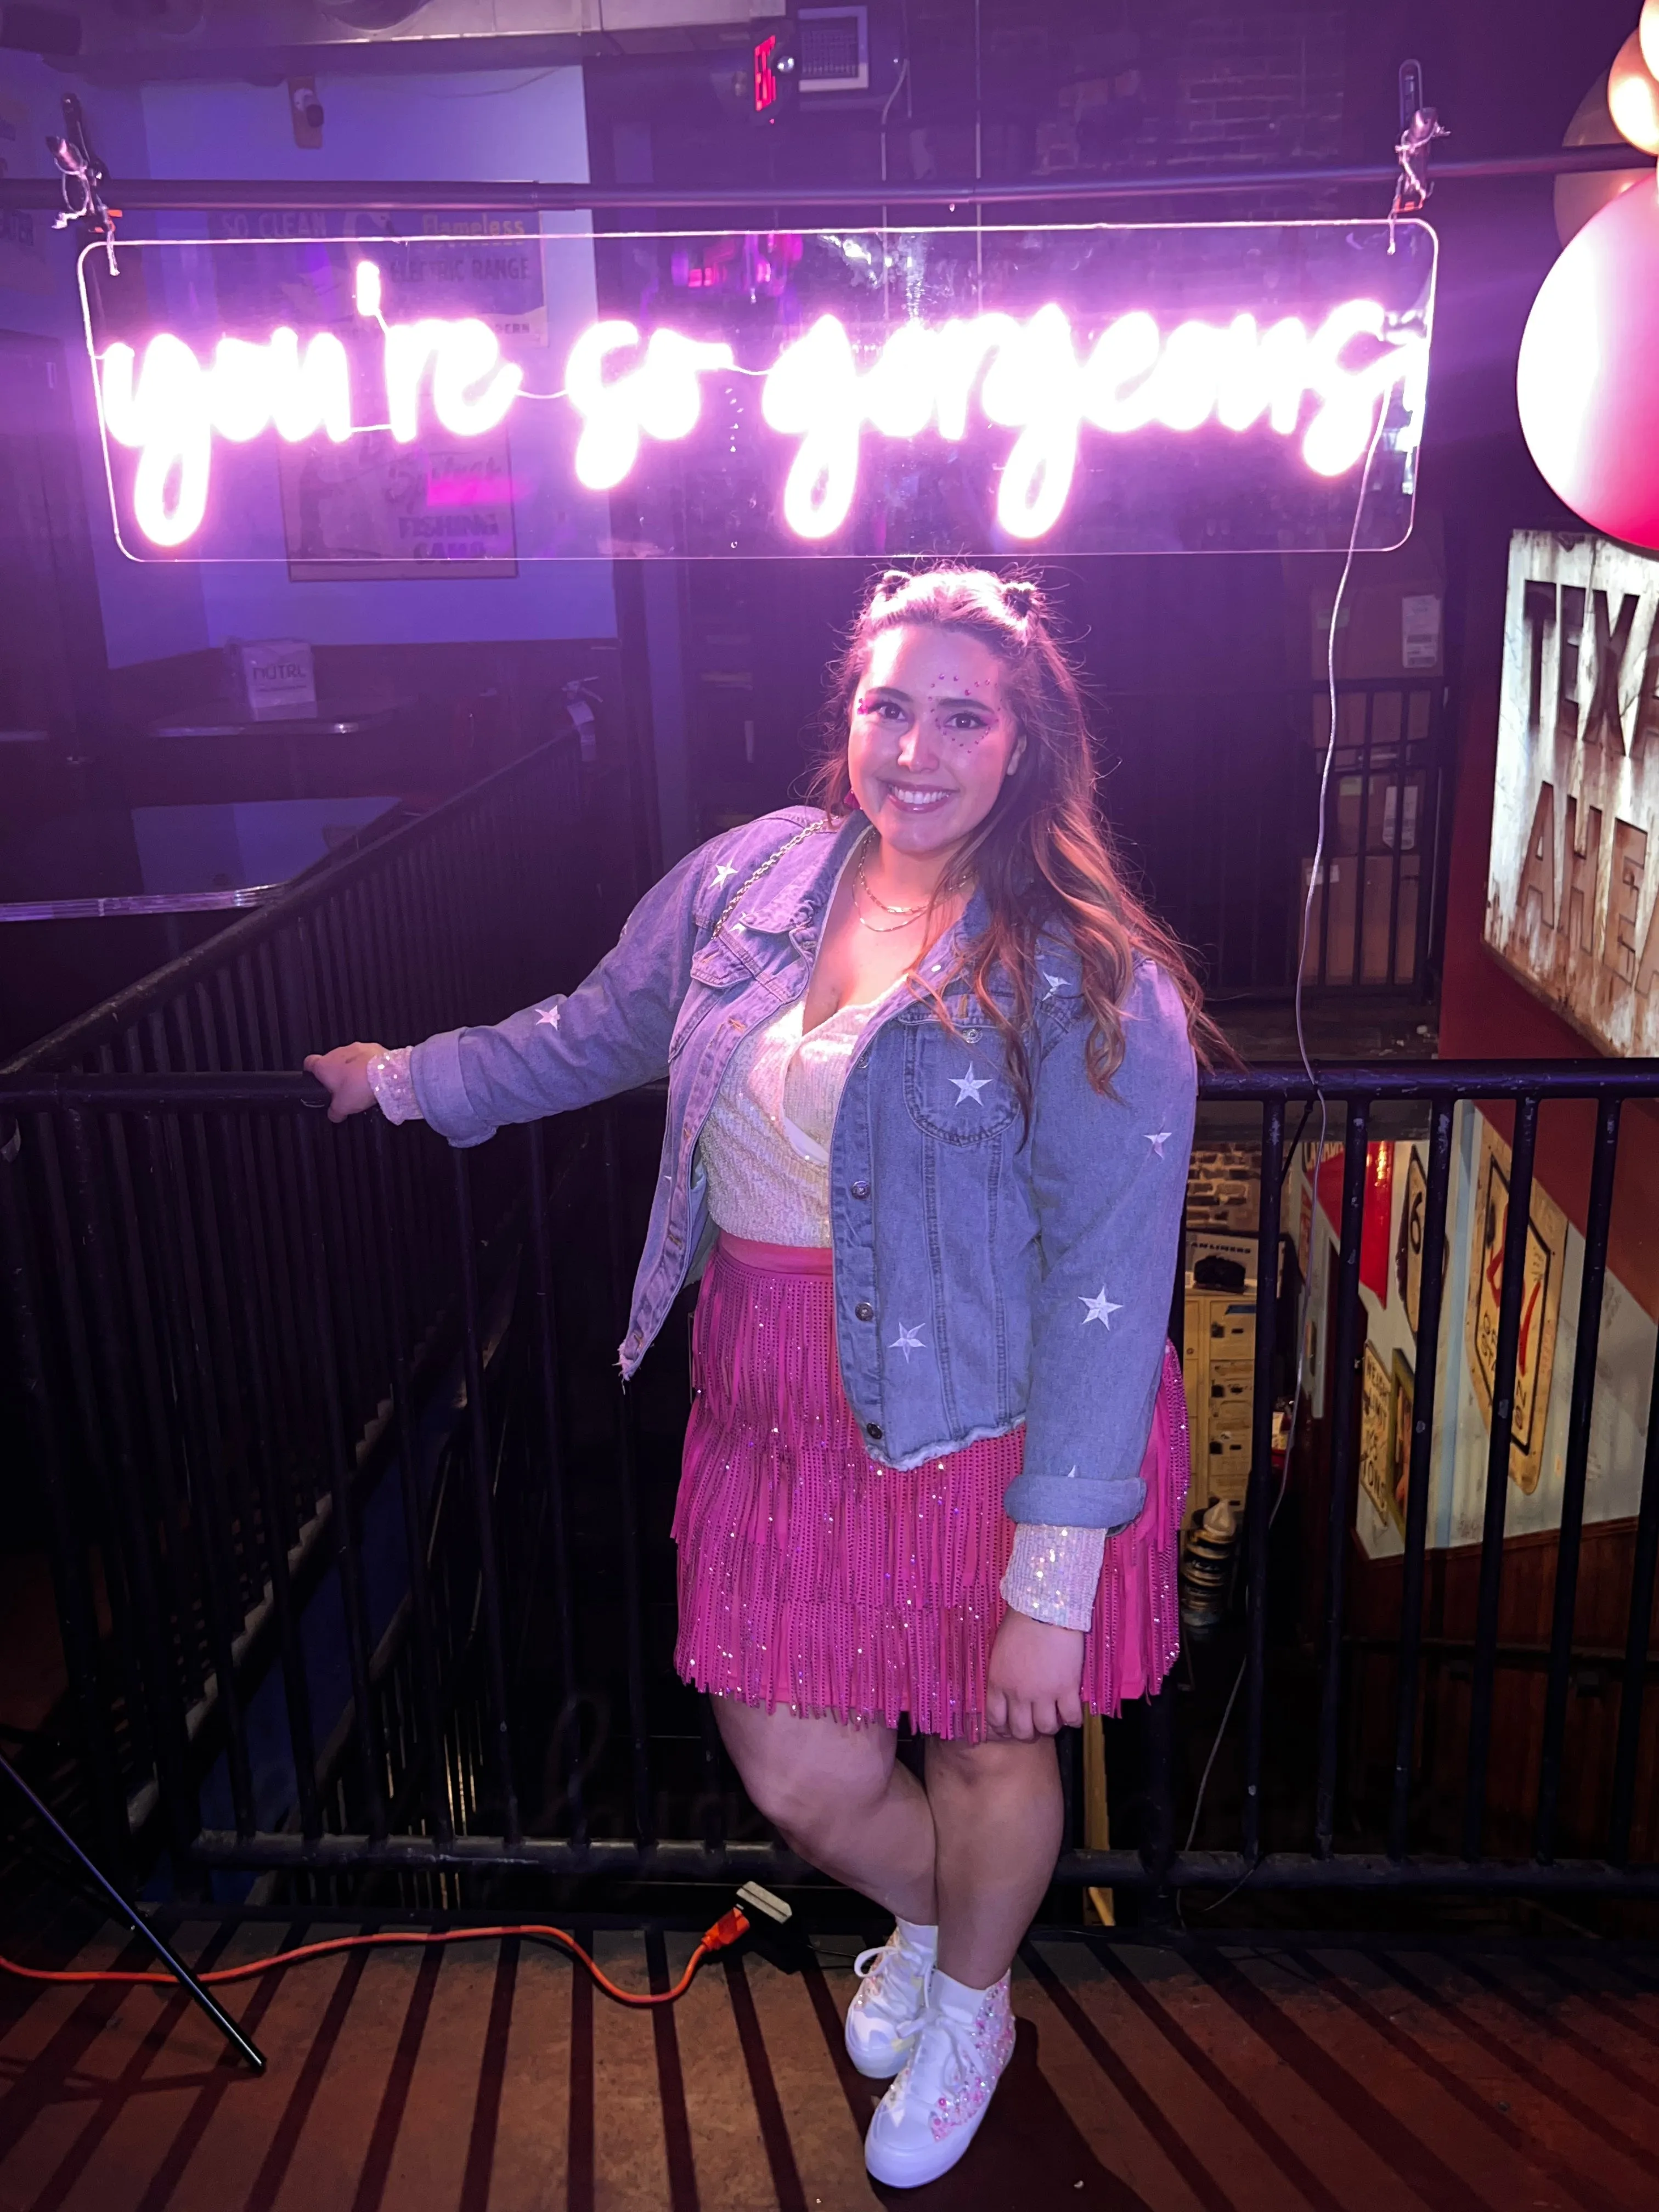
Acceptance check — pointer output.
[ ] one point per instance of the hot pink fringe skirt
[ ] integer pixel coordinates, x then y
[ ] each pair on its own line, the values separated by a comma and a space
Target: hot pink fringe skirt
812, 1578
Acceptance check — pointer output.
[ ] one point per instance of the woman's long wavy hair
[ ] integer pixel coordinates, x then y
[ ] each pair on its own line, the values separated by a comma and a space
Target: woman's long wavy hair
1042, 856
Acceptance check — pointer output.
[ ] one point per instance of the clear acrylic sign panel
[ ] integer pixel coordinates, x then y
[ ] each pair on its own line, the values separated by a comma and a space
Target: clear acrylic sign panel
459, 402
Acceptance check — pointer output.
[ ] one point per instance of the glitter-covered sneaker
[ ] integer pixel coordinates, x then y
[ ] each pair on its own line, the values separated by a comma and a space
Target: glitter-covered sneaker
884, 2017
931, 2114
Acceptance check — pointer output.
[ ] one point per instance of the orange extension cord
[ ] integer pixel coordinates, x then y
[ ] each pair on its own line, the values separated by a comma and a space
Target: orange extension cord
725, 1931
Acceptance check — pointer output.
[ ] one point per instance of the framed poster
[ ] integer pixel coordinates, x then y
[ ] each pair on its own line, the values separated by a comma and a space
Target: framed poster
374, 511
1375, 1444
1540, 1301
1403, 1399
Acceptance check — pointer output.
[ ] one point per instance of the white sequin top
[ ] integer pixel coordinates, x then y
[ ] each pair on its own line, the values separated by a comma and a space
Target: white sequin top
765, 1150
765, 1147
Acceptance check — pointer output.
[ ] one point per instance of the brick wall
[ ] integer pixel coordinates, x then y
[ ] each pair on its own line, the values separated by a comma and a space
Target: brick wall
1224, 1188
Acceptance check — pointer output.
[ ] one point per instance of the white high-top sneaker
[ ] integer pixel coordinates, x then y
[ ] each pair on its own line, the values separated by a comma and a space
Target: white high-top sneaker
931, 2114
885, 2014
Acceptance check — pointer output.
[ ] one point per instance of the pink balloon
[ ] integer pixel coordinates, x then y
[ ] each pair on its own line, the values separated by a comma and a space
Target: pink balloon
1588, 376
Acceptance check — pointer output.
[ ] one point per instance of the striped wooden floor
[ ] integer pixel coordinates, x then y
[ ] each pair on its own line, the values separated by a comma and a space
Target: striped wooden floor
1236, 2075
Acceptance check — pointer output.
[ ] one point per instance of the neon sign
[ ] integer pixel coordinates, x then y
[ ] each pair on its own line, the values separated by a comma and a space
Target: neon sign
1047, 406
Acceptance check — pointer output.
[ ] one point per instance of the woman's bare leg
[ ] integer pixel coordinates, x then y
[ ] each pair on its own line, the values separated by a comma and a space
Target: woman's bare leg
841, 1801
997, 1819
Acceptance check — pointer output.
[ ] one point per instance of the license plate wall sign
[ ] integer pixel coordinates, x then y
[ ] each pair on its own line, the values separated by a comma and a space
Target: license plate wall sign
1099, 388
1570, 903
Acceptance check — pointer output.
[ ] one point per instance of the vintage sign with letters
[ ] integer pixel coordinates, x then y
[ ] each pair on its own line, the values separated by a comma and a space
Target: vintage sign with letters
1571, 889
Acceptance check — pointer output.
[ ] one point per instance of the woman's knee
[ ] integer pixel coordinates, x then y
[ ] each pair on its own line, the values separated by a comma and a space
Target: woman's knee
808, 1778
991, 1767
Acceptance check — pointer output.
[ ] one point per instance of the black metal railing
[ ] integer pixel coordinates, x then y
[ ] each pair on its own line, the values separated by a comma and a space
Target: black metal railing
1215, 794
331, 1417
225, 1315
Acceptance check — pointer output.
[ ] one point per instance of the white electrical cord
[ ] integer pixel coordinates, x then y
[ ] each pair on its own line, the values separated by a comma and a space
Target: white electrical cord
1315, 883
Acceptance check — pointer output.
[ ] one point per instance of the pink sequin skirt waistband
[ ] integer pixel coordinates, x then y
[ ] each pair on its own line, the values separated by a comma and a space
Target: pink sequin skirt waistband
812, 1578
777, 1259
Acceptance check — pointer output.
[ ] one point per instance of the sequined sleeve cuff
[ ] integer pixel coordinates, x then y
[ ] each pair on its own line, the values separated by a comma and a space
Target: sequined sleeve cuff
1054, 1573
393, 1086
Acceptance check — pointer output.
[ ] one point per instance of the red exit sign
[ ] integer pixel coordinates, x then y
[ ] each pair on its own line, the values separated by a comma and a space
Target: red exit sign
766, 75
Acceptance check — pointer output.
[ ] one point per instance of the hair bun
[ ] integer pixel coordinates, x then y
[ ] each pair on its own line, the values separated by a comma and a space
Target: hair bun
1020, 595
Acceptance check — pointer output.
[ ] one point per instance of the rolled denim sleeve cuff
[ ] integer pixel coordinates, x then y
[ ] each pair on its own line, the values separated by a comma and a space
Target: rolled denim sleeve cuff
434, 1072
393, 1086
1085, 1503
1054, 1572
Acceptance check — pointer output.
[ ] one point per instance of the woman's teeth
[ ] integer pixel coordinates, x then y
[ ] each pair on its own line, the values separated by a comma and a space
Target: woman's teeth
915, 801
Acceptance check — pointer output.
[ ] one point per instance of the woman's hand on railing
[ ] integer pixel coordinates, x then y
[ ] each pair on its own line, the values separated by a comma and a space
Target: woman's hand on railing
343, 1073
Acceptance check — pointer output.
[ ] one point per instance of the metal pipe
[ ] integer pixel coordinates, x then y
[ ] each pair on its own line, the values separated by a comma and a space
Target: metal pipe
166, 1718
348, 1548
142, 194
184, 1306
1592, 1282
1345, 1356
1258, 1509
552, 1423
396, 1256
1431, 1289
478, 1452
684, 1861
1518, 1227
1401, 1079
200, 1997
627, 1499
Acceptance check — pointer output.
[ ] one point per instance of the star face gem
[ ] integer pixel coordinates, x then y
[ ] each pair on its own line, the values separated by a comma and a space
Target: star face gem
908, 1341
1099, 1308
969, 1087
1157, 1139
725, 873
549, 1015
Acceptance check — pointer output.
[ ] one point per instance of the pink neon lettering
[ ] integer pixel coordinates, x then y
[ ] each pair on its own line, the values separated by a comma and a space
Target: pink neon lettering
1029, 377
658, 399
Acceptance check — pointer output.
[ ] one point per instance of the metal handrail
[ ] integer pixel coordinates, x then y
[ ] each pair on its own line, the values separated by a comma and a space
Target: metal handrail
359, 1833
316, 888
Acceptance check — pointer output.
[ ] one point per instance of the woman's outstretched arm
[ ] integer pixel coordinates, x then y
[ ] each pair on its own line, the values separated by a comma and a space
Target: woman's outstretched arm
610, 1034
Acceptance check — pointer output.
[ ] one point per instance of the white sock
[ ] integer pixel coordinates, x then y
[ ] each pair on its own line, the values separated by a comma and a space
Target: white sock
955, 1999
920, 1938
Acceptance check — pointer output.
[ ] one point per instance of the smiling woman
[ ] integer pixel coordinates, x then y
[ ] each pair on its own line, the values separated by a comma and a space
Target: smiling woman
930, 1095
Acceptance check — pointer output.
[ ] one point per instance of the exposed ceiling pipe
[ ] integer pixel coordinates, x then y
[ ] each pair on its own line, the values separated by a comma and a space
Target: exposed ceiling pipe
141, 194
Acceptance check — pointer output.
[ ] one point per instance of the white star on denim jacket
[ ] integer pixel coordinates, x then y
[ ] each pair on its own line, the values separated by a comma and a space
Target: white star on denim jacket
549, 1015
725, 873
908, 1341
1157, 1139
1053, 982
969, 1087
1099, 1308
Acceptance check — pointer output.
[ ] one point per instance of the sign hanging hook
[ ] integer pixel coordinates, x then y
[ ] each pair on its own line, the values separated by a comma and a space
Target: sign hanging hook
84, 177
1419, 127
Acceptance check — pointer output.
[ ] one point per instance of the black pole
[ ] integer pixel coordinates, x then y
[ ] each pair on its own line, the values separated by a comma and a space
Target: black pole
1344, 1358
193, 1989
141, 194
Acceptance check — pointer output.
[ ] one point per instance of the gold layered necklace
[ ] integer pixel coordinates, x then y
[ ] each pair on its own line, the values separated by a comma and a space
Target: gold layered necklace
907, 913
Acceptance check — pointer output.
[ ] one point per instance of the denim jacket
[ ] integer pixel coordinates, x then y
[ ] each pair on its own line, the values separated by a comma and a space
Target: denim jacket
983, 1277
